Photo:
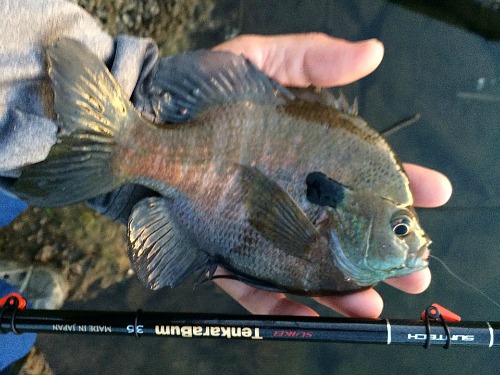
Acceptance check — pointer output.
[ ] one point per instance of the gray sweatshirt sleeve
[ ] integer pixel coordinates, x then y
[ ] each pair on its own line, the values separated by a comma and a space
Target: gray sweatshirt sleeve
27, 129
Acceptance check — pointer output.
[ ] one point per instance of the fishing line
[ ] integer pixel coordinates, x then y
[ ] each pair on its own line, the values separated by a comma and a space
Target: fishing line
479, 96
465, 282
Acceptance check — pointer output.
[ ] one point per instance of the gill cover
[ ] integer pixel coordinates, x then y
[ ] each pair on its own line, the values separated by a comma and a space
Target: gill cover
371, 237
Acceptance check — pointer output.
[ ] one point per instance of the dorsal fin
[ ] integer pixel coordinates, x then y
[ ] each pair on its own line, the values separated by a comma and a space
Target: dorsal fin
326, 97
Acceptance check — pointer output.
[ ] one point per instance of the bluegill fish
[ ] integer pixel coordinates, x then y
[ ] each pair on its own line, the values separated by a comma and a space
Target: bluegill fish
289, 190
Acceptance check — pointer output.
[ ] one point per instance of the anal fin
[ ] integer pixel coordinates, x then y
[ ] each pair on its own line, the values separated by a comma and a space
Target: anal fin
161, 252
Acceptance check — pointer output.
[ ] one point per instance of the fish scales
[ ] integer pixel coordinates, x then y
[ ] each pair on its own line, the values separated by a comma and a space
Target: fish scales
288, 193
200, 157
281, 141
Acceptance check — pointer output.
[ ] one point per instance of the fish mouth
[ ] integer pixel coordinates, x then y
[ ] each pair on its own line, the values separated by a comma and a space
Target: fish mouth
420, 259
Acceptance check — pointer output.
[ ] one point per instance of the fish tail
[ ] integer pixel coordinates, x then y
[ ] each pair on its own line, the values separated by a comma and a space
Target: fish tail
91, 112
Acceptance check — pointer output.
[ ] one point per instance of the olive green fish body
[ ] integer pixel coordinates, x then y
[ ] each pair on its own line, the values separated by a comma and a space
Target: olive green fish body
198, 162
289, 194
198, 166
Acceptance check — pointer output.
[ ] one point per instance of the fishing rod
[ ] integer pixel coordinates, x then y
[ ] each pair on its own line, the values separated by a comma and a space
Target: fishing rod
438, 326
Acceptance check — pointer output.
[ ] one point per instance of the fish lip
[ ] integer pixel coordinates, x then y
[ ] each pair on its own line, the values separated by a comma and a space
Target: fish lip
420, 259
424, 253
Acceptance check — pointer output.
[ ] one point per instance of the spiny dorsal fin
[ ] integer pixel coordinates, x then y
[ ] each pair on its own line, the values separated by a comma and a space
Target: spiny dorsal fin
326, 97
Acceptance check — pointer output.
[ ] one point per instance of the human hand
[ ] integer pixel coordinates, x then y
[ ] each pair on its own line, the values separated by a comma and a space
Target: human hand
302, 60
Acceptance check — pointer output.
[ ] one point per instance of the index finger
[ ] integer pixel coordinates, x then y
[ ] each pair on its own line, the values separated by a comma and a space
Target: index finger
430, 188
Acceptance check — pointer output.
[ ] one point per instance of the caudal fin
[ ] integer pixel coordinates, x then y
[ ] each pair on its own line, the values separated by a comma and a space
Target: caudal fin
91, 109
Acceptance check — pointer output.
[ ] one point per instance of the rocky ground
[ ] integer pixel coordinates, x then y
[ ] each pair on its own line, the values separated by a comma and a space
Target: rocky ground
171, 23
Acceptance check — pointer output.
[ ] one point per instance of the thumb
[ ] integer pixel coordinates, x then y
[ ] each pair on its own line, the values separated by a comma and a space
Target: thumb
314, 59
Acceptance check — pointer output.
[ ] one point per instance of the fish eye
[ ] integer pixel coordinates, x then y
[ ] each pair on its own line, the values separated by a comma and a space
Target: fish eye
401, 226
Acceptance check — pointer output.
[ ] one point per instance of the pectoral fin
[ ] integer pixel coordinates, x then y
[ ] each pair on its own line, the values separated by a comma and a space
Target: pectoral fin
161, 252
273, 213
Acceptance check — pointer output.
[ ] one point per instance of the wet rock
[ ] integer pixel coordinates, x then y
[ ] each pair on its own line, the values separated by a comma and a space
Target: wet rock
74, 241
35, 364
46, 254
